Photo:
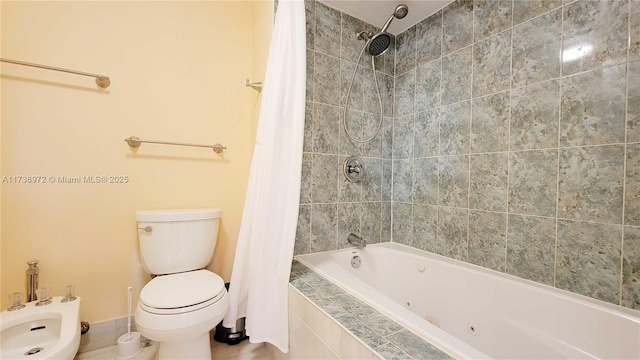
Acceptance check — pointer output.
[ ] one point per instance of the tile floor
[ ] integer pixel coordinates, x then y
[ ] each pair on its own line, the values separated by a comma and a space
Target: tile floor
243, 351
219, 351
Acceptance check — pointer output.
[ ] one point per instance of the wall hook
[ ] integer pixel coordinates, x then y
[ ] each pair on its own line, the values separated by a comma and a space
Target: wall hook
257, 86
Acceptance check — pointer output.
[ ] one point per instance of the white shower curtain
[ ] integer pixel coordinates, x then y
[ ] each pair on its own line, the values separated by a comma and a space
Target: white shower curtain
264, 251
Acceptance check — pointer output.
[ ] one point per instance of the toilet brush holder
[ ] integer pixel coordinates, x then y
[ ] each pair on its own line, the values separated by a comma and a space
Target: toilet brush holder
129, 345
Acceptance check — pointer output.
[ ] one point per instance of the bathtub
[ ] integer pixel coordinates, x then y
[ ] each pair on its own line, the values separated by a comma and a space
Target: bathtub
471, 312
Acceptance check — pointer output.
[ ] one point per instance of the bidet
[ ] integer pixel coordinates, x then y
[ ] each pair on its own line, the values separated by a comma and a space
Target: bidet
41, 332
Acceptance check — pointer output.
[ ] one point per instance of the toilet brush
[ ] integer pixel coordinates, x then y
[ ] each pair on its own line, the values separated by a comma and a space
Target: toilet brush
129, 313
129, 344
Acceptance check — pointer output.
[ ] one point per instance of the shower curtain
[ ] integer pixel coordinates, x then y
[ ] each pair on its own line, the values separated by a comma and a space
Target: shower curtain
260, 276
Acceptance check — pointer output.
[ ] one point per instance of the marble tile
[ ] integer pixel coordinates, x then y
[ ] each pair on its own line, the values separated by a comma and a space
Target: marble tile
524, 10
387, 177
356, 327
425, 227
535, 112
347, 191
490, 124
416, 346
370, 225
491, 17
303, 231
310, 19
487, 239
632, 186
403, 223
310, 73
452, 232
425, 135
391, 352
326, 79
350, 46
590, 184
372, 180
403, 137
453, 182
592, 107
406, 51
325, 128
306, 178
324, 174
492, 63
457, 26
385, 226
324, 227
405, 93
533, 182
353, 95
375, 320
596, 34
402, 179
428, 86
425, 180
371, 124
354, 123
370, 100
488, 181
386, 83
429, 39
633, 101
631, 268
456, 70
454, 126
348, 222
307, 144
588, 259
634, 26
531, 248
387, 137
536, 49
328, 30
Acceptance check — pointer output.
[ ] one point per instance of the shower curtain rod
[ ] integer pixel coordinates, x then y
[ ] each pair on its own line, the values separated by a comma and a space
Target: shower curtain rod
101, 80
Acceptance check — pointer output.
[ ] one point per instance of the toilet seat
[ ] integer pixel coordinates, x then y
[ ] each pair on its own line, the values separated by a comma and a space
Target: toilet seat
182, 292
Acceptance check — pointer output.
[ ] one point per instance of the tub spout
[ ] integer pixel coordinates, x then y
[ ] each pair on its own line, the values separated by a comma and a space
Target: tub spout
356, 240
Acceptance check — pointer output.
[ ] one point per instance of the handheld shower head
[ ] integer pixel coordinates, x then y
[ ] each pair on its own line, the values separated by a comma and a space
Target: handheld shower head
379, 43
400, 12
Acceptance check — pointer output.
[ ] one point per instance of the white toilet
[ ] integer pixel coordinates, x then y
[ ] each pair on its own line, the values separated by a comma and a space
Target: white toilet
184, 301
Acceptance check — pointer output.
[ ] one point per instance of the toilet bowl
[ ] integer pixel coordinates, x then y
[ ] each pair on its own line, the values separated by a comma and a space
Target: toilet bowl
184, 301
179, 310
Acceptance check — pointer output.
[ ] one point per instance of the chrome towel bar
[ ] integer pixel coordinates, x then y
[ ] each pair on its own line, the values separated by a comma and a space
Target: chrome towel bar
135, 142
101, 80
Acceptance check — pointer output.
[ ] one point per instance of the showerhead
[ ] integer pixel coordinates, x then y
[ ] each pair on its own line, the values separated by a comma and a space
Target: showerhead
379, 43
400, 12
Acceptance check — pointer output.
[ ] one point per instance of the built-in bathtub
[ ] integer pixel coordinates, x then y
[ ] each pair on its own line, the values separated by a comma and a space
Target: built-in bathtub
471, 312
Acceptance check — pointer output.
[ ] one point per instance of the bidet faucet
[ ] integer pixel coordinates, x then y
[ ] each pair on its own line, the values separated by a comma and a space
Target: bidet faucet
32, 280
356, 240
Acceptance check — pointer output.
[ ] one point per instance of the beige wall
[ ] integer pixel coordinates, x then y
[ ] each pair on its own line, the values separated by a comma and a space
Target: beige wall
177, 72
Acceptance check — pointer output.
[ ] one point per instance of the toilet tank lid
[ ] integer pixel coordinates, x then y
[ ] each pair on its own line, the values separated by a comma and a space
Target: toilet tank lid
177, 215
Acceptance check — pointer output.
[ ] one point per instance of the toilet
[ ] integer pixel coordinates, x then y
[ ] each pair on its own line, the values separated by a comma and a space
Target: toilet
183, 301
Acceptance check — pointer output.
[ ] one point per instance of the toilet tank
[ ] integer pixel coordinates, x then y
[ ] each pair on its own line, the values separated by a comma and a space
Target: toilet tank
173, 241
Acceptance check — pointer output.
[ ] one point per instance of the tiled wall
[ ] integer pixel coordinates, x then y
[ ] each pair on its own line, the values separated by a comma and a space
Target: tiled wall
511, 157
330, 206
